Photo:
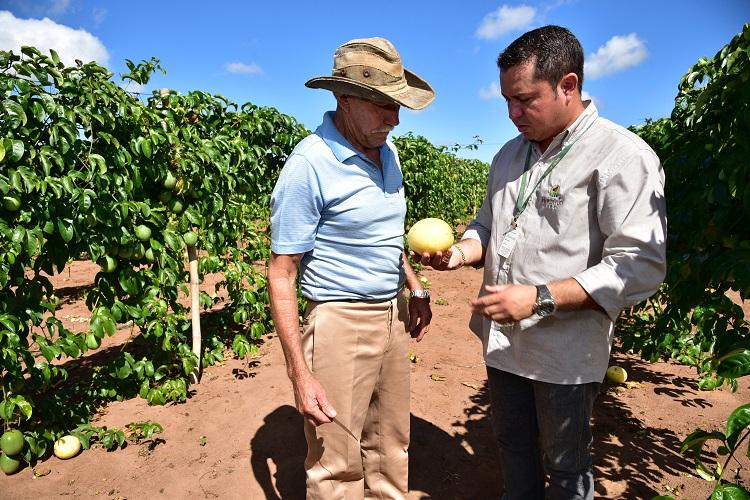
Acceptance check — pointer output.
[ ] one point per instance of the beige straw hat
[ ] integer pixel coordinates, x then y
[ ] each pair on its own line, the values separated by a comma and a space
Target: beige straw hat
371, 68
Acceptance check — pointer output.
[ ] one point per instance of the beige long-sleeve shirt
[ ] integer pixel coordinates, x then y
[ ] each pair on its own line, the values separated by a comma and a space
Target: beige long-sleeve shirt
598, 217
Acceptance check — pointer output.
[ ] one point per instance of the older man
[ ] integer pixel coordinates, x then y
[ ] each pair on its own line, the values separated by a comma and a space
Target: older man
337, 214
571, 232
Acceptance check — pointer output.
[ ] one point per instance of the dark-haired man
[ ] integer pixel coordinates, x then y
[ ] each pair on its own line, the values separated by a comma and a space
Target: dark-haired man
571, 232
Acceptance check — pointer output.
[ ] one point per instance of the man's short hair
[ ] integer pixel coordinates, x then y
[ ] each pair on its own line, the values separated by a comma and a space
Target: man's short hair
555, 50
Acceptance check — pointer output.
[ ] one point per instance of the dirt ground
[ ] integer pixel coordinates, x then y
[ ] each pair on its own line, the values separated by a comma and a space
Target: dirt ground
238, 435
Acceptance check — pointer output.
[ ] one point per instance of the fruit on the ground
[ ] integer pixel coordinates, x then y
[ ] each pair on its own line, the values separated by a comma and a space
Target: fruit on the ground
143, 232
67, 447
430, 235
11, 442
617, 374
190, 238
9, 464
11, 202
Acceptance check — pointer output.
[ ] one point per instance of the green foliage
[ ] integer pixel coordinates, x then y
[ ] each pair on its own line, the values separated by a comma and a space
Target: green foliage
87, 168
704, 150
111, 439
731, 441
439, 184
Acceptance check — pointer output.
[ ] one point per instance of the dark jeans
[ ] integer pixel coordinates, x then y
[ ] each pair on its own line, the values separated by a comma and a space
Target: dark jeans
543, 429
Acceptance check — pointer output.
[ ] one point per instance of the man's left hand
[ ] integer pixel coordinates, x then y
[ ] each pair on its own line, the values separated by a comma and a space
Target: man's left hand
420, 316
505, 303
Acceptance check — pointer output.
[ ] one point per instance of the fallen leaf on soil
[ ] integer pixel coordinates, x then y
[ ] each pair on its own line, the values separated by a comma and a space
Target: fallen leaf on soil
41, 472
437, 378
473, 386
414, 358
632, 385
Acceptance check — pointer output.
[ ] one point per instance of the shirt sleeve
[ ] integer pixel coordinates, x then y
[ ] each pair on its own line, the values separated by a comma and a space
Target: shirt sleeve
631, 212
481, 227
296, 205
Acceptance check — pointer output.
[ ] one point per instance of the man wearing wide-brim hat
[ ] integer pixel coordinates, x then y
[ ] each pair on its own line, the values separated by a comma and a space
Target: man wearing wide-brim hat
337, 214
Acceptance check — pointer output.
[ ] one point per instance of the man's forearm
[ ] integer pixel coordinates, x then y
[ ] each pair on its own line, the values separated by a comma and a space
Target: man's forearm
472, 251
569, 295
282, 286
412, 280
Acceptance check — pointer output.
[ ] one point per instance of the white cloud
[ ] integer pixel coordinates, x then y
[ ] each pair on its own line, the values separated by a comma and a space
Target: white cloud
491, 92
504, 20
45, 34
618, 54
131, 86
58, 7
585, 96
243, 69
98, 15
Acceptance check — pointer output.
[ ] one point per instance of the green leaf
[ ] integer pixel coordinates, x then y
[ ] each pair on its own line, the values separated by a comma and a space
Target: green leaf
17, 150
14, 407
698, 438
49, 352
729, 492
65, 228
97, 161
124, 371
14, 114
55, 57
102, 322
734, 366
145, 146
738, 421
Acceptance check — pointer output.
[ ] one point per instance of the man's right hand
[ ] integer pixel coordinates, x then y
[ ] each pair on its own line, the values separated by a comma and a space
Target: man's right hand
312, 401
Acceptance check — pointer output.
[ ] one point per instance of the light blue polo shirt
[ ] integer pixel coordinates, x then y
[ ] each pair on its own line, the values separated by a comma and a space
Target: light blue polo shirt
336, 207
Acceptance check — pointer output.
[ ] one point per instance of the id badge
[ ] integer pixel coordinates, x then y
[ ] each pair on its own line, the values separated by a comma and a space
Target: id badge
509, 242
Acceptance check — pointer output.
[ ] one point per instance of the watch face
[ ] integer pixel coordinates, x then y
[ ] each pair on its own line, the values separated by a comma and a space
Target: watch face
545, 308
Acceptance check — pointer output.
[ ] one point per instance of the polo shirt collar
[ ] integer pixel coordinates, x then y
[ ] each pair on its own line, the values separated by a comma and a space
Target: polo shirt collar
340, 147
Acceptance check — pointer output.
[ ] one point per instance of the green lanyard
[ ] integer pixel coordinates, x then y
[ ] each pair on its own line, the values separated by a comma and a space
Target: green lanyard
521, 203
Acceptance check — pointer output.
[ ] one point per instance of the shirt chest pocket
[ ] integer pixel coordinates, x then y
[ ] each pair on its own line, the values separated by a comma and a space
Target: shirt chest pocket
562, 206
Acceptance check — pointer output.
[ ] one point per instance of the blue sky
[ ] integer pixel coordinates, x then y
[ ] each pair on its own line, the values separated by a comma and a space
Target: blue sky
263, 52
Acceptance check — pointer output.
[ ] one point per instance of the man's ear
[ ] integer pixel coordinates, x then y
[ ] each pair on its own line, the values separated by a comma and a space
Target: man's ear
569, 84
342, 100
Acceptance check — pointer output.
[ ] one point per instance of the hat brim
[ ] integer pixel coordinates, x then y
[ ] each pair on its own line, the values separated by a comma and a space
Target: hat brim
417, 94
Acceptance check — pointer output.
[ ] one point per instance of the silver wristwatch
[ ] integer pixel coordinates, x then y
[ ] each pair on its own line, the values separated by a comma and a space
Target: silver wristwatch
545, 303
420, 294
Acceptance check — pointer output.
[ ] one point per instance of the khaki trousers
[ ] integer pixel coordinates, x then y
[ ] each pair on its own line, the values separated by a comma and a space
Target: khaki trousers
358, 352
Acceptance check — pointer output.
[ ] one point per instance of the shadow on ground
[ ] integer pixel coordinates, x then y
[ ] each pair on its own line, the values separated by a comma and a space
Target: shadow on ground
629, 452
461, 465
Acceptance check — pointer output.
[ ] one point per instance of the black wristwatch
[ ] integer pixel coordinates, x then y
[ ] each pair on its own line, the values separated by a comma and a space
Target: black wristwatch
545, 304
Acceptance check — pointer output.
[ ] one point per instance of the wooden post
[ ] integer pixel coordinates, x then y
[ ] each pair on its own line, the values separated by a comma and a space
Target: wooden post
195, 309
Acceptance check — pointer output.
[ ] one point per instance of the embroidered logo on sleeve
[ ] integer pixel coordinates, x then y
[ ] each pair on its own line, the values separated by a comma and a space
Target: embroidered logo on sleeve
553, 199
